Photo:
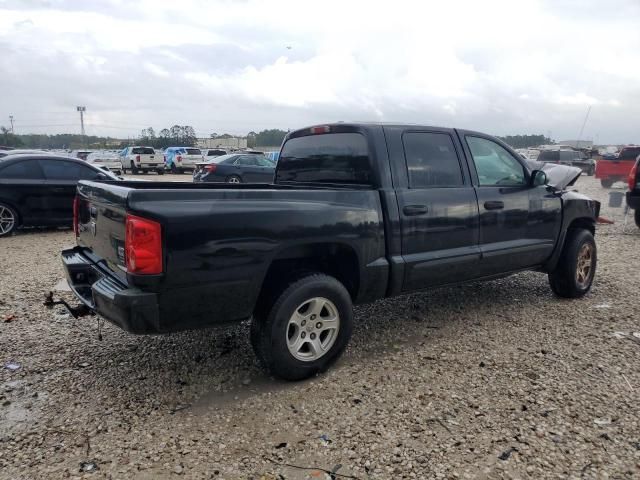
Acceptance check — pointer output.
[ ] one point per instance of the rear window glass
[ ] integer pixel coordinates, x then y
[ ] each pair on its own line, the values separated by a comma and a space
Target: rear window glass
629, 153
549, 156
143, 151
26, 169
212, 153
327, 158
193, 151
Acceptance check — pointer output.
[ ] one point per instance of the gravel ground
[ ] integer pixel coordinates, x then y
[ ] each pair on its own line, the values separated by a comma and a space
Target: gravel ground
490, 380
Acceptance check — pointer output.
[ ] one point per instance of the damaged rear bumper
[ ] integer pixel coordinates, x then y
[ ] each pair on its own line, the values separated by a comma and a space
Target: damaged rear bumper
100, 290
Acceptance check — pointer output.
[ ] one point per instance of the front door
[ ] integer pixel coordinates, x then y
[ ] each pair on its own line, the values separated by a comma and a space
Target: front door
510, 238
438, 211
21, 186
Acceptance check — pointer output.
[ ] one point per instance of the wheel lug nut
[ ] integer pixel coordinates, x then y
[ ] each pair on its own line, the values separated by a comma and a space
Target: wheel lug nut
313, 336
313, 317
319, 325
304, 322
303, 334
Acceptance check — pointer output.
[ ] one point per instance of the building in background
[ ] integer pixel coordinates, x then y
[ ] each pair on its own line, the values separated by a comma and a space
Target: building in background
231, 142
588, 144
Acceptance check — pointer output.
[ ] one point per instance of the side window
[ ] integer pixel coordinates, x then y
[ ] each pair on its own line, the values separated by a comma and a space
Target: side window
431, 160
26, 170
61, 170
87, 173
246, 161
494, 164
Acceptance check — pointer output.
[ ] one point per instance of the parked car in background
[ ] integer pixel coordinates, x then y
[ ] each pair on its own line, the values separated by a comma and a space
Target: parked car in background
574, 158
214, 152
633, 195
615, 169
38, 189
17, 151
357, 213
141, 159
179, 159
81, 154
105, 159
236, 168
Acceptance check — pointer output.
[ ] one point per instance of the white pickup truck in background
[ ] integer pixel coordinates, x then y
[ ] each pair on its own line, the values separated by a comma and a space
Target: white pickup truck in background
141, 159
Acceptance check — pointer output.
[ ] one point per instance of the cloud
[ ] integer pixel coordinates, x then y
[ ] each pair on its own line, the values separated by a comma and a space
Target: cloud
496, 66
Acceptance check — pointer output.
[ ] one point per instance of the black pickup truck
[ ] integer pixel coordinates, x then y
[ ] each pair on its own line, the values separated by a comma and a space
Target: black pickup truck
358, 212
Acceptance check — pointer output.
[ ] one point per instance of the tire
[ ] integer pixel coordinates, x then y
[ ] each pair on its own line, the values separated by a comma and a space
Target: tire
300, 317
233, 179
181, 171
565, 279
9, 220
606, 183
134, 170
160, 171
591, 171
636, 217
174, 169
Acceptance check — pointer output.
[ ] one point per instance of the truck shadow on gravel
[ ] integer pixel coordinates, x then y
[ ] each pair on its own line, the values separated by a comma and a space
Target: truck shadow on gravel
201, 370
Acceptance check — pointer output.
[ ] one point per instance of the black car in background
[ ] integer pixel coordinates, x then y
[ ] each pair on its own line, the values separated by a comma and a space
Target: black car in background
236, 168
38, 189
573, 158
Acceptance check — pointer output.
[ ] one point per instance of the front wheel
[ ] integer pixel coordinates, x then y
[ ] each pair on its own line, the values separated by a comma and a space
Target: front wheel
636, 217
160, 171
576, 268
233, 179
306, 329
591, 171
8, 220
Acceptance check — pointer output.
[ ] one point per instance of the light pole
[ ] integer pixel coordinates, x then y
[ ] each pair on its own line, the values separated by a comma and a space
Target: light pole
82, 110
11, 120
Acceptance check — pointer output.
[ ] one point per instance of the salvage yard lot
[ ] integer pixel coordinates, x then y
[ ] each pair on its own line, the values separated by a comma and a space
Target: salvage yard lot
487, 380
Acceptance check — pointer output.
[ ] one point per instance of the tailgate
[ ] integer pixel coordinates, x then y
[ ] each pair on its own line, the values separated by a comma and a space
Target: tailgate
101, 222
607, 168
151, 158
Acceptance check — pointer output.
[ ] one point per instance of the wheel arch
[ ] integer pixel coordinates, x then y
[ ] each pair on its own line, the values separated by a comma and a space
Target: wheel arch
15, 208
336, 259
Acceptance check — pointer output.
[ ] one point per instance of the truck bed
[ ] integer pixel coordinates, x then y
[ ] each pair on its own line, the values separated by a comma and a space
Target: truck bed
218, 241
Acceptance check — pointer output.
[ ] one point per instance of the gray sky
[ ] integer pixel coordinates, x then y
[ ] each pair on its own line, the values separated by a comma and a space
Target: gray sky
502, 67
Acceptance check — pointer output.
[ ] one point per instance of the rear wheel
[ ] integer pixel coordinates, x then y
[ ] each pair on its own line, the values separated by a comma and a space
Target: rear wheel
233, 179
306, 328
160, 171
591, 170
134, 169
606, 182
8, 220
576, 268
636, 216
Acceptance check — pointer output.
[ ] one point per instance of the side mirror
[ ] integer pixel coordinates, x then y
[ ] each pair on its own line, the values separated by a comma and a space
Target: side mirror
101, 176
538, 178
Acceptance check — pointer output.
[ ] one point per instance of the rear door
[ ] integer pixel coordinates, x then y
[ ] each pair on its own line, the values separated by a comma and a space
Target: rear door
249, 169
60, 180
21, 185
438, 208
266, 169
518, 223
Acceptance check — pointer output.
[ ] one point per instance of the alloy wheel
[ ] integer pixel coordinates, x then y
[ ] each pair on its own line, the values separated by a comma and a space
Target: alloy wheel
313, 329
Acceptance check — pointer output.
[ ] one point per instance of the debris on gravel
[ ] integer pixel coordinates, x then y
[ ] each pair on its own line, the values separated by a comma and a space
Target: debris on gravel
486, 380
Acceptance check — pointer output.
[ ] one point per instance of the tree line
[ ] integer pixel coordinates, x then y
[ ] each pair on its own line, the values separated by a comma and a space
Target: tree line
526, 141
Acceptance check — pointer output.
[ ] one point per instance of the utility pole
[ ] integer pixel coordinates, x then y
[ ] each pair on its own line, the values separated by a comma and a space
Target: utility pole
82, 110
582, 128
11, 120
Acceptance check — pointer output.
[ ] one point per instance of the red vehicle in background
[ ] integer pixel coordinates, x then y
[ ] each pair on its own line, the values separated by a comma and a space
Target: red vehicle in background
616, 169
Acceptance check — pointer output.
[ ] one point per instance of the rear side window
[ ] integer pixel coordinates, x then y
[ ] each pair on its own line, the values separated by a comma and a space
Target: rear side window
193, 151
63, 170
327, 158
143, 151
27, 170
431, 160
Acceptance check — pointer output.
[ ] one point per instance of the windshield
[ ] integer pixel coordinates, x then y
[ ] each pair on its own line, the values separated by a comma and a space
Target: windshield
222, 158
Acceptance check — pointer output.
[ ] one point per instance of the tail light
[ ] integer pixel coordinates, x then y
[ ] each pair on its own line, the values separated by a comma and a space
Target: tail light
320, 129
137, 158
211, 168
631, 180
143, 246
76, 213
179, 158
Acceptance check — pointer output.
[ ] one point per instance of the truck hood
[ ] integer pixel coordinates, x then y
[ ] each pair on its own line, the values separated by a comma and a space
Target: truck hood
559, 176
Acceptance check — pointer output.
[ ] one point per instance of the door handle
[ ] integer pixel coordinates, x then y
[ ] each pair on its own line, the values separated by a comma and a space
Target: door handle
494, 205
410, 210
